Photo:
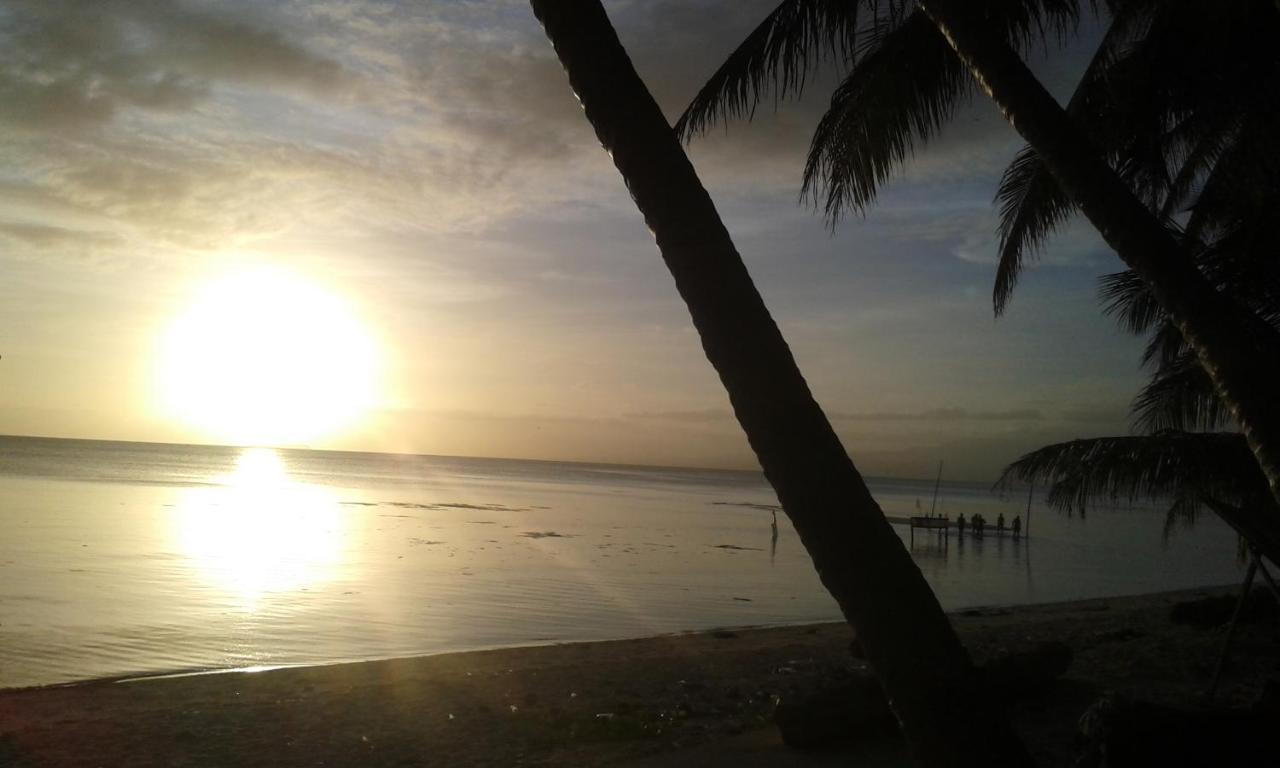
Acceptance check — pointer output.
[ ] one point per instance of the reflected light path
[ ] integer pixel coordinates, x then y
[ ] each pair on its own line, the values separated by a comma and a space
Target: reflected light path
258, 532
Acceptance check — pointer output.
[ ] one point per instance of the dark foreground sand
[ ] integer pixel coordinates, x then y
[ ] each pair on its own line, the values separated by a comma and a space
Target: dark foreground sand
698, 700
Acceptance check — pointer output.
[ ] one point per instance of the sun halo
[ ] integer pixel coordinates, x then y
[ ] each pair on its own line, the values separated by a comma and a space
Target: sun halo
261, 356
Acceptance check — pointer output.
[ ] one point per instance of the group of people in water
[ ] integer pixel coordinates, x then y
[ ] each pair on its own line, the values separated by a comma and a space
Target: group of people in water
977, 523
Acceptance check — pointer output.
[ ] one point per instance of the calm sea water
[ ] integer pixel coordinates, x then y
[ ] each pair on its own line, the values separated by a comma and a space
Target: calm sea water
123, 558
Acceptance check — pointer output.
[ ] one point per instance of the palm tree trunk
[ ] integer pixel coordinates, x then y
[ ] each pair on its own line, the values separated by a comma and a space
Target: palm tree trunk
926, 673
1240, 352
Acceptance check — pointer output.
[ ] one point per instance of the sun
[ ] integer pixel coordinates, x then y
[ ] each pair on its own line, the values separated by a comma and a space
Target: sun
261, 356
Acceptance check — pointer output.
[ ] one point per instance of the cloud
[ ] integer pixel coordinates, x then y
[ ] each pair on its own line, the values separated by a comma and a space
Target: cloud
43, 236
509, 99
1100, 414
1074, 244
942, 415
99, 249
203, 127
73, 64
696, 416
714, 415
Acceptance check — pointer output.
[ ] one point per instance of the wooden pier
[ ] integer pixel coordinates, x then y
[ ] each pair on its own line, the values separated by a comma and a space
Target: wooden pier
943, 526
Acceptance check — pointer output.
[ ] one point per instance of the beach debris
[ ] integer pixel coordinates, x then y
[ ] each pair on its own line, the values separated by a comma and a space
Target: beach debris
747, 504
1214, 611
546, 535
743, 599
1116, 731
856, 650
855, 709
1027, 672
1118, 635
446, 505
736, 548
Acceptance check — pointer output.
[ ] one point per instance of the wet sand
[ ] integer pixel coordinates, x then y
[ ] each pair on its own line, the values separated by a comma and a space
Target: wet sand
701, 699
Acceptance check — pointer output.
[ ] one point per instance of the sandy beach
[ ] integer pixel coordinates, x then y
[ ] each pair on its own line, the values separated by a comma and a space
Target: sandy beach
697, 699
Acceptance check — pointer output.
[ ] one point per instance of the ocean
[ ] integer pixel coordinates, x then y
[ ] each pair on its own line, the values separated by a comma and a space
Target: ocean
123, 559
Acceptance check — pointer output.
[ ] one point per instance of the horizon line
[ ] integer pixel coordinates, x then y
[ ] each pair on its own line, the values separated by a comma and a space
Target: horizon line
580, 462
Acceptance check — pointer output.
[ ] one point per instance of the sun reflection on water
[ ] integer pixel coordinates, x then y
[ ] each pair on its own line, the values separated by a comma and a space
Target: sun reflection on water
259, 532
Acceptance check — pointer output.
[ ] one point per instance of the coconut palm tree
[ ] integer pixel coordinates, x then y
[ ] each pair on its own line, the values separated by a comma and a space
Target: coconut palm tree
1198, 149
903, 84
926, 674
1194, 143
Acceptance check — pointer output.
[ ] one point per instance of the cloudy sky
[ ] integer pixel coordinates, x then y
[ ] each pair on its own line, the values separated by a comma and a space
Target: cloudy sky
426, 164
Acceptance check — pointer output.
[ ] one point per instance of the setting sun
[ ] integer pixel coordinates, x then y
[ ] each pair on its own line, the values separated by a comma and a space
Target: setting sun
262, 356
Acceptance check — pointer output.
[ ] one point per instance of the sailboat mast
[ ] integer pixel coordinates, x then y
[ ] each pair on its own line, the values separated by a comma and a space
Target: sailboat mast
936, 483
1030, 492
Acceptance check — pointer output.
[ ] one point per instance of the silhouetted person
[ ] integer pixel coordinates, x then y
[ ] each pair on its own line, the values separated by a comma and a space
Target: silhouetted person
1000, 523
773, 543
960, 524
976, 523
1017, 526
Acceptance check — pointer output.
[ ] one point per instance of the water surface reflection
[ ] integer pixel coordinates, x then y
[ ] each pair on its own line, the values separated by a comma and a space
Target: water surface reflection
257, 531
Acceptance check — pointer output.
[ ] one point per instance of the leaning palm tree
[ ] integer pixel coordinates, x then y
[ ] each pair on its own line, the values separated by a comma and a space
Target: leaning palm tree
905, 77
926, 674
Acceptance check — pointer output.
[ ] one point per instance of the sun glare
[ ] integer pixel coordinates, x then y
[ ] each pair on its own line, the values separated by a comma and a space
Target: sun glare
263, 357
258, 531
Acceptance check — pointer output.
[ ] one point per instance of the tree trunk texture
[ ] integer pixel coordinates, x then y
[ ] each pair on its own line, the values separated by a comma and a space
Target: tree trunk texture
1240, 352
926, 673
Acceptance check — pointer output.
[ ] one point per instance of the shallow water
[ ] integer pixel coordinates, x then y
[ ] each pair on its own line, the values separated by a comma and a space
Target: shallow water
122, 558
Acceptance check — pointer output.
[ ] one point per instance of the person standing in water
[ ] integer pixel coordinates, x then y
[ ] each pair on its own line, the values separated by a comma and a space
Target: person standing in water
773, 543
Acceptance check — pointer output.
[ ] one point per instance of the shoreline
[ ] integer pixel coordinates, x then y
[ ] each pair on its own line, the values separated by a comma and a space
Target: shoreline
146, 675
592, 703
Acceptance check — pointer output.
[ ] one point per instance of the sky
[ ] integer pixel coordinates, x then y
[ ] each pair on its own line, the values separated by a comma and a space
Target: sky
424, 166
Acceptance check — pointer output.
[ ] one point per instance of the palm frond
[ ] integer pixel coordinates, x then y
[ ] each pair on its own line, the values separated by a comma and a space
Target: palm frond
1127, 298
1242, 262
778, 55
1032, 206
1179, 468
899, 93
1195, 156
1030, 22
1165, 347
1180, 396
1243, 183
1251, 522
